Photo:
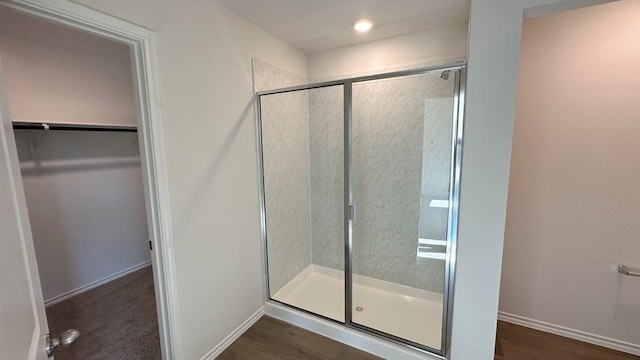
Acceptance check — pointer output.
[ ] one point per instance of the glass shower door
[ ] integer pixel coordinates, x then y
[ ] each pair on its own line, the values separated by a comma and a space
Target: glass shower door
360, 182
303, 181
402, 141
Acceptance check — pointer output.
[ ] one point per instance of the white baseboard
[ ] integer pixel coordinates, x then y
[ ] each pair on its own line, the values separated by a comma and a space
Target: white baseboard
77, 291
216, 351
570, 333
353, 338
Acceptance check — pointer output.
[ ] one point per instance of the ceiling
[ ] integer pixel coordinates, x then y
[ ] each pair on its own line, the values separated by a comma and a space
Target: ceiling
316, 25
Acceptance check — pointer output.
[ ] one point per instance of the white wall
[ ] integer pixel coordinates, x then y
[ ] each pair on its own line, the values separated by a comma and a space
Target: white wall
443, 43
48, 66
86, 205
574, 198
204, 62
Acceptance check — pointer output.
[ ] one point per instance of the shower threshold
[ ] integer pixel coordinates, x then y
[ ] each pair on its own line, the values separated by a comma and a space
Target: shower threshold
402, 311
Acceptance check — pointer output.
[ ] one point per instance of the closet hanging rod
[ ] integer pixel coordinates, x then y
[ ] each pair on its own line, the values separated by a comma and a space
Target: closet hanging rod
47, 126
623, 269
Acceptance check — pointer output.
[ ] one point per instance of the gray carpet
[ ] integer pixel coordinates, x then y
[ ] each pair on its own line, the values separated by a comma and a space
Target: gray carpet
117, 321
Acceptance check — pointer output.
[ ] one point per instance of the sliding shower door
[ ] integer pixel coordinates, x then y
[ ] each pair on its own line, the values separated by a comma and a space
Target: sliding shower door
359, 200
303, 172
401, 185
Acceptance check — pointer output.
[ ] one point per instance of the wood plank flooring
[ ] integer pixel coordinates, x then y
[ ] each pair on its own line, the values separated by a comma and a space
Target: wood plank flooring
271, 339
515, 342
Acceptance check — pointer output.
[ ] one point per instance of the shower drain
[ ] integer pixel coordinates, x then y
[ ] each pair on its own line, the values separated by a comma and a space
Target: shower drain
359, 308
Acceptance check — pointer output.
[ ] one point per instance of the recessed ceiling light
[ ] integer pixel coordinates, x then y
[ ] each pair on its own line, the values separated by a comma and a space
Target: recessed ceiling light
363, 25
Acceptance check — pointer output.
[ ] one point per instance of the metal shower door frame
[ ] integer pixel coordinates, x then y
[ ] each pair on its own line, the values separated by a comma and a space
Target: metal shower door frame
454, 195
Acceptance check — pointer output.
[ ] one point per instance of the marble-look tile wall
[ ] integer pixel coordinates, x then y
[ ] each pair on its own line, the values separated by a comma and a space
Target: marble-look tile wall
285, 141
436, 163
326, 126
395, 123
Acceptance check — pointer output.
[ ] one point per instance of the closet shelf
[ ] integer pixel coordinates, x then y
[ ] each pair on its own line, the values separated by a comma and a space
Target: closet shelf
77, 127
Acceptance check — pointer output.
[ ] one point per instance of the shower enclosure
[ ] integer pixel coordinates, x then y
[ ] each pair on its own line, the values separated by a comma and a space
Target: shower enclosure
359, 193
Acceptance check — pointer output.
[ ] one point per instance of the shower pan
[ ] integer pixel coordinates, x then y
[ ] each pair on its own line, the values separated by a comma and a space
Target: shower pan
359, 183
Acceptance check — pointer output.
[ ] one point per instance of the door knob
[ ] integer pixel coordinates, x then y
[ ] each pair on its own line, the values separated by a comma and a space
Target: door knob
66, 338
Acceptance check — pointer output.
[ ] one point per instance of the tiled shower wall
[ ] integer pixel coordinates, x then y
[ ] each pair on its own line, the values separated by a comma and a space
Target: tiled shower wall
436, 161
285, 135
395, 122
389, 139
327, 176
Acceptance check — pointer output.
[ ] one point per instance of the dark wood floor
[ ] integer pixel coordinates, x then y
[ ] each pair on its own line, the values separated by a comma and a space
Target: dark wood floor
515, 342
271, 339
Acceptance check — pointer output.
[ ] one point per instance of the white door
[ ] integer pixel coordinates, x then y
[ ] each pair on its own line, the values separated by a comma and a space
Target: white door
23, 323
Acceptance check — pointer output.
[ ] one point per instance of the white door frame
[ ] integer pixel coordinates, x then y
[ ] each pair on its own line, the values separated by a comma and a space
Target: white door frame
152, 154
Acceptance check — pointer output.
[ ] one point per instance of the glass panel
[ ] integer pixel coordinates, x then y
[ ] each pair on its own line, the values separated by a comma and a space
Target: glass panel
402, 140
303, 169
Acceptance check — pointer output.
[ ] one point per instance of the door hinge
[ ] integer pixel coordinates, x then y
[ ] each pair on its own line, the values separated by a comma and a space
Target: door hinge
352, 212
150, 245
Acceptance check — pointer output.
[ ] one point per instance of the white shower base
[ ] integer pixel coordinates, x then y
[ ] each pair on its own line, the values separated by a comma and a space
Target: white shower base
402, 311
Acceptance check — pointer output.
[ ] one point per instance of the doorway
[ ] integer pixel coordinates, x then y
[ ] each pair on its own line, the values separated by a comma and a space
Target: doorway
75, 135
573, 198
83, 184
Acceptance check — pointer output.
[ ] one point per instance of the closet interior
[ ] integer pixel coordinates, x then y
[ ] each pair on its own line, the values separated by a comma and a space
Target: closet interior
72, 102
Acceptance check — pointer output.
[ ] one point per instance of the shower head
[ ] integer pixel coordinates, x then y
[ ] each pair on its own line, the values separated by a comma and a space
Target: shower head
444, 75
